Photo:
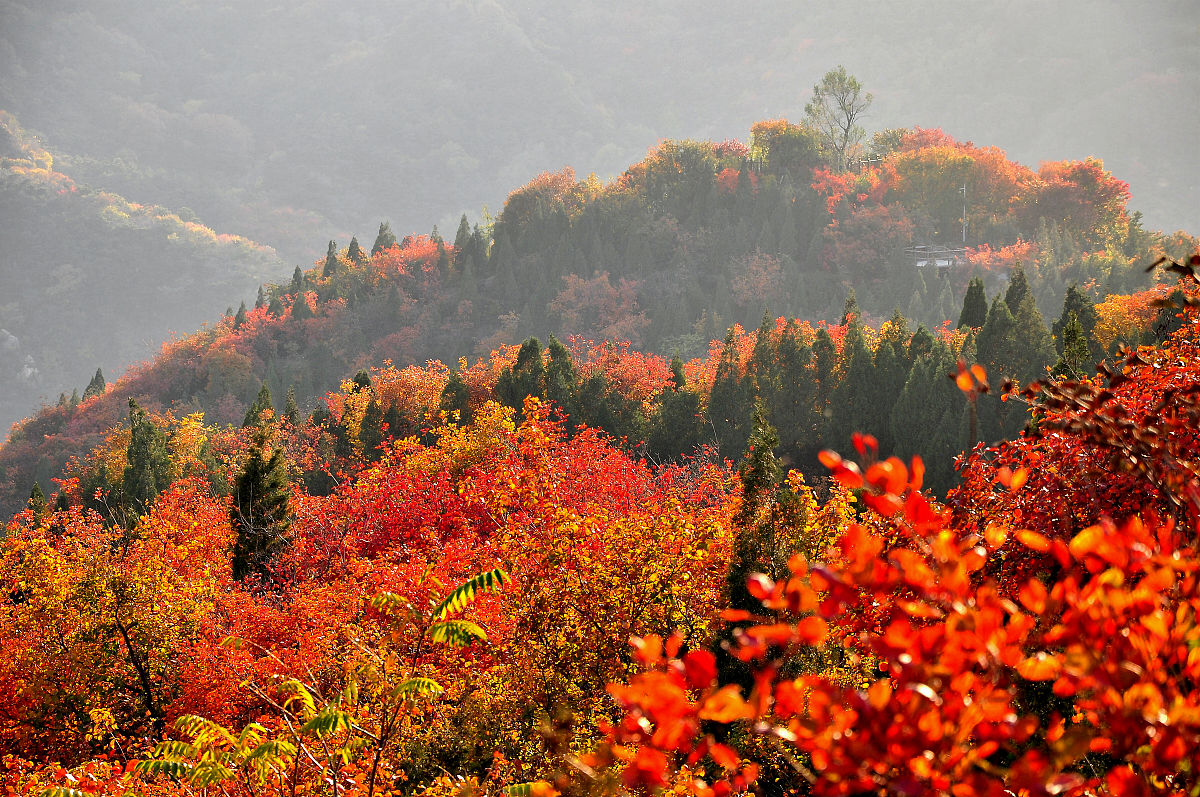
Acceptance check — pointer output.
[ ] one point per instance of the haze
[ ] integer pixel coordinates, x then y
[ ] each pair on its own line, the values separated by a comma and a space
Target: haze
295, 123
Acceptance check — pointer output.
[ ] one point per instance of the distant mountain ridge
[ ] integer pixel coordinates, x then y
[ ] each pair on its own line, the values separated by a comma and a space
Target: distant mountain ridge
89, 279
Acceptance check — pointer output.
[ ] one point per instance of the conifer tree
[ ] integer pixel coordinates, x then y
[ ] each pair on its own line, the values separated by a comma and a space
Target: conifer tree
456, 398
1076, 355
355, 253
384, 239
261, 301
675, 430
370, 431
96, 387
290, 410
262, 403
561, 381
1077, 303
524, 378
1017, 290
791, 406
239, 318
331, 261
729, 401
850, 310
759, 474
275, 307
37, 502
463, 239
297, 281
260, 512
975, 307
825, 359
854, 402
300, 308
148, 461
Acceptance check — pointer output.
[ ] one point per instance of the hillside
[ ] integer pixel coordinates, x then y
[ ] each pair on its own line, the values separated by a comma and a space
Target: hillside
685, 243
505, 604
91, 280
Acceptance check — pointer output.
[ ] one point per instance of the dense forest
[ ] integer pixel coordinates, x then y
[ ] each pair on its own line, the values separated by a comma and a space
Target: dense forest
811, 464
686, 245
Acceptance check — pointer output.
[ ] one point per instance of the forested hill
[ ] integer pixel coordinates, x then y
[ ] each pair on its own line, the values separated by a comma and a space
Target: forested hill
692, 239
89, 279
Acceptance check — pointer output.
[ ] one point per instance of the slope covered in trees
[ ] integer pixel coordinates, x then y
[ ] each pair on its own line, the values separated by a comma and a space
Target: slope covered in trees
693, 238
89, 279
453, 612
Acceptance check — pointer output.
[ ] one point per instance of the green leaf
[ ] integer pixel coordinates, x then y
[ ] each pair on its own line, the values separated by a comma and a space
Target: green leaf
62, 791
176, 769
519, 789
297, 691
328, 722
463, 596
456, 633
390, 602
417, 686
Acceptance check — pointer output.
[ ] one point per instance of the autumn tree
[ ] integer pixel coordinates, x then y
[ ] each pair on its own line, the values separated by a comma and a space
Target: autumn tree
837, 103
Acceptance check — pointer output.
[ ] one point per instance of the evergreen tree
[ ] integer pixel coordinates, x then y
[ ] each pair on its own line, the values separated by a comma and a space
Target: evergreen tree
524, 378
825, 357
759, 473
239, 317
37, 502
791, 406
996, 346
1077, 303
370, 431
355, 253
96, 387
854, 401
260, 512
926, 419
300, 308
1018, 288
261, 301
729, 401
675, 429
148, 461
921, 344
290, 410
561, 381
361, 381
1076, 355
262, 403
331, 261
74, 400
975, 307
850, 310
463, 241
297, 282
1033, 344
384, 239
275, 307
456, 398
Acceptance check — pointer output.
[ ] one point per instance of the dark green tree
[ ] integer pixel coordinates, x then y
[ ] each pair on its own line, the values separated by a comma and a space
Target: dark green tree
37, 502
297, 281
147, 461
262, 403
1075, 358
456, 398
676, 428
355, 252
759, 473
384, 239
261, 301
331, 261
239, 317
96, 387
370, 431
260, 512
1017, 290
975, 307
524, 378
730, 402
561, 379
290, 410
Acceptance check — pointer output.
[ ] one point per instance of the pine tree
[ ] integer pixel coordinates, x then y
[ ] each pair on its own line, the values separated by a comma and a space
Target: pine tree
148, 461
675, 429
262, 403
791, 407
1076, 355
370, 431
261, 301
331, 261
729, 402
561, 380
300, 308
456, 398
975, 307
37, 502
524, 378
275, 307
754, 543
1018, 288
260, 512
297, 282
850, 310
854, 401
1077, 303
355, 253
239, 318
384, 239
96, 387
290, 410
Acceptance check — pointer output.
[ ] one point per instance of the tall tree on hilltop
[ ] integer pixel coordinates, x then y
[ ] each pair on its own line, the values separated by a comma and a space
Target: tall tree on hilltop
838, 102
975, 307
1017, 290
384, 239
262, 403
331, 261
355, 252
524, 378
1077, 303
728, 402
96, 387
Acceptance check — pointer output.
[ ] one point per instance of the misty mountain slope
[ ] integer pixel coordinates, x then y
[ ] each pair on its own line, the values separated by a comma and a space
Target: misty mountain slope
88, 279
325, 117
691, 240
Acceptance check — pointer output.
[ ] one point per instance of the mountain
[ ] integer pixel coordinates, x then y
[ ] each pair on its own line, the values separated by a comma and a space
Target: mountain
89, 279
696, 237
